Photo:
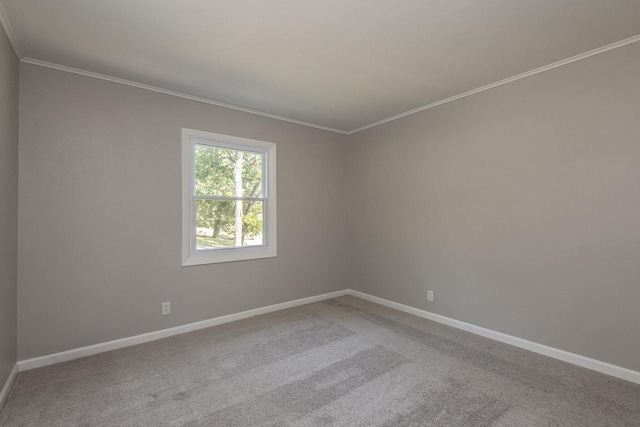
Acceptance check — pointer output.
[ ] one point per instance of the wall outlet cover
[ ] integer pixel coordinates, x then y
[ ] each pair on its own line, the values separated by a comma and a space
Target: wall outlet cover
166, 308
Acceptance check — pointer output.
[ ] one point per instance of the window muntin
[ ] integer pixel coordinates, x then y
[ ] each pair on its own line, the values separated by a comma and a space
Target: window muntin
229, 211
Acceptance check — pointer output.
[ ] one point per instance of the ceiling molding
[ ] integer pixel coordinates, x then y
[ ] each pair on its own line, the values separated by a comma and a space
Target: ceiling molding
173, 93
4, 19
503, 82
16, 46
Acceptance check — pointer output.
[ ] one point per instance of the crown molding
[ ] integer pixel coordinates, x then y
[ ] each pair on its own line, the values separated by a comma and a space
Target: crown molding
11, 35
526, 74
126, 82
16, 47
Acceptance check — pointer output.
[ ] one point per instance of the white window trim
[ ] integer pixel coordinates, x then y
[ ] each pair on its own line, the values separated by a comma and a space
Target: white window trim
270, 238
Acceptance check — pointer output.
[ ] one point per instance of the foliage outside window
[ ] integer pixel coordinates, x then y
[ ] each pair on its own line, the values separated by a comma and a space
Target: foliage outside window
229, 203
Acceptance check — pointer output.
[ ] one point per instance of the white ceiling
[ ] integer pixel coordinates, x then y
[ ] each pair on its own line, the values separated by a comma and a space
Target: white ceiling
341, 64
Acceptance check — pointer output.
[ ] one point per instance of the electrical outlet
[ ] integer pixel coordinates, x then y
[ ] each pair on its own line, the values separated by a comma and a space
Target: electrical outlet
166, 308
430, 296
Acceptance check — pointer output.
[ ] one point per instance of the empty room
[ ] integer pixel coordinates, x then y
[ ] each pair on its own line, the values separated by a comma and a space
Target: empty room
320, 213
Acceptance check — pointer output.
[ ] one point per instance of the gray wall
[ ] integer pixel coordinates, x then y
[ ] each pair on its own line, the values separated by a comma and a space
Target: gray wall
8, 205
100, 214
518, 206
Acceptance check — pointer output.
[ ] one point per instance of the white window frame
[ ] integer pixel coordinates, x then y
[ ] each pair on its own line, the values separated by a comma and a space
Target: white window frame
269, 248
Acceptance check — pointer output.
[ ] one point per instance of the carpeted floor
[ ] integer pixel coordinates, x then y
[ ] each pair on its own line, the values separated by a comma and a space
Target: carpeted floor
342, 362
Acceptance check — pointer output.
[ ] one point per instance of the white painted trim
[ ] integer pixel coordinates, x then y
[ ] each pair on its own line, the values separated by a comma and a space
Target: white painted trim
37, 362
4, 393
565, 356
503, 82
269, 249
530, 73
11, 35
173, 93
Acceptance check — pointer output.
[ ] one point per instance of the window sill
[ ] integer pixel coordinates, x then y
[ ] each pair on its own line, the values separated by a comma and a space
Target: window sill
216, 256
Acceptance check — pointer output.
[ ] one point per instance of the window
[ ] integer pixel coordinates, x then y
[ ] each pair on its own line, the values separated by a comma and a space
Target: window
229, 198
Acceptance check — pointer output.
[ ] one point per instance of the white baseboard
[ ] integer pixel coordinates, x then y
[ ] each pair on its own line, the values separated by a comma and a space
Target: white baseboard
565, 356
76, 353
4, 393
576, 359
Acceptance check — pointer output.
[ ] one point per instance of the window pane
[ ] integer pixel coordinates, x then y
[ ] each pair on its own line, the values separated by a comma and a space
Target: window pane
227, 172
253, 220
218, 222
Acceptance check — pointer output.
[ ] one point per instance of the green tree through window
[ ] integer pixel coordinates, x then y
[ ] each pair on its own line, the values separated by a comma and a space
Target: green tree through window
233, 174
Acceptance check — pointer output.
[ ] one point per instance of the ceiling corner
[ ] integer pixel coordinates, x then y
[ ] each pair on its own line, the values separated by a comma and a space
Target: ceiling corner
11, 35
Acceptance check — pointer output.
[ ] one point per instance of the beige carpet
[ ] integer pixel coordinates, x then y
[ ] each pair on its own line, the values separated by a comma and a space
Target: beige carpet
342, 362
